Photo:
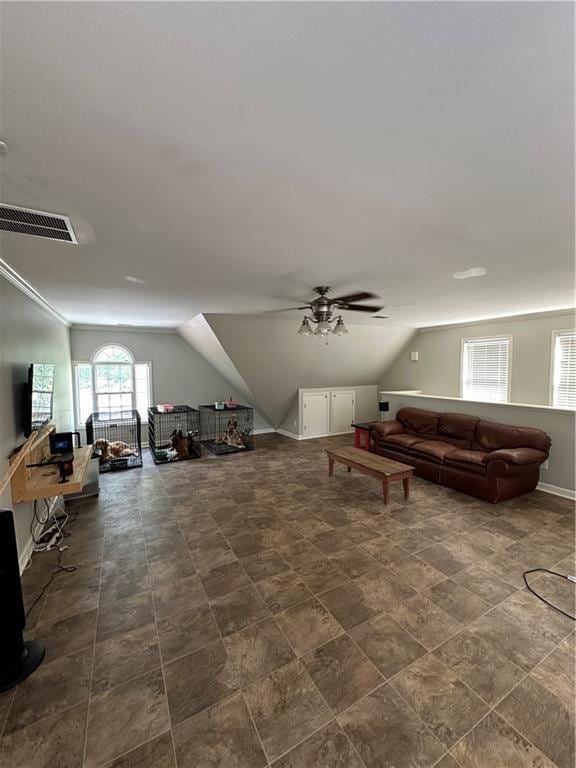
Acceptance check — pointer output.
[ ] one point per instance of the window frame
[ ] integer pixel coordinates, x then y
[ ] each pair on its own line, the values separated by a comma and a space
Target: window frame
500, 336
554, 337
93, 363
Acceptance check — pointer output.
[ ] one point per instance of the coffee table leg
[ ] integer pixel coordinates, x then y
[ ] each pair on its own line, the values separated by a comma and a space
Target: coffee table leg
330, 467
348, 469
406, 484
385, 488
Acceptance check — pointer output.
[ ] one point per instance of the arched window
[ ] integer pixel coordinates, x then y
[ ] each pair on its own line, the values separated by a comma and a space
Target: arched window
113, 353
111, 383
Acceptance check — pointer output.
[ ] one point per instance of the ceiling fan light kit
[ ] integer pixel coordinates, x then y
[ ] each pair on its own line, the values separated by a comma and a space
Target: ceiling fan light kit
322, 311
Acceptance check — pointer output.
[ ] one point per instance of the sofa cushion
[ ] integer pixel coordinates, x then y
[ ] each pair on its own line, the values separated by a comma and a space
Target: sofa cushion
491, 436
401, 442
457, 429
470, 461
467, 456
387, 428
434, 450
418, 422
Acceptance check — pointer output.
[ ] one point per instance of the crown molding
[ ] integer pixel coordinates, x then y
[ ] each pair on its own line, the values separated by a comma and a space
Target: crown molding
123, 328
500, 319
28, 290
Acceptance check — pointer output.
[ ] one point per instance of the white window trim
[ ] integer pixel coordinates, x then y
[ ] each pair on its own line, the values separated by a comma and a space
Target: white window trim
77, 420
120, 362
488, 338
555, 335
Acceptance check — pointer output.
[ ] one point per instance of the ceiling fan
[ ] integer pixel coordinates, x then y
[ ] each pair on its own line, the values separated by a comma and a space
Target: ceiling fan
323, 311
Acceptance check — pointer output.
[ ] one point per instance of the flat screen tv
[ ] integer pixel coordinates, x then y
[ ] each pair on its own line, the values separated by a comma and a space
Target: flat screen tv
40, 395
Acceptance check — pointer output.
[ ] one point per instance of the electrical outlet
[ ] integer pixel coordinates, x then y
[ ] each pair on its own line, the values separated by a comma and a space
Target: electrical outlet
294, 423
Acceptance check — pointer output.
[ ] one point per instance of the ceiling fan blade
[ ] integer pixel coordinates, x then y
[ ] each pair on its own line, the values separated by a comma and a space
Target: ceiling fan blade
287, 309
354, 297
360, 308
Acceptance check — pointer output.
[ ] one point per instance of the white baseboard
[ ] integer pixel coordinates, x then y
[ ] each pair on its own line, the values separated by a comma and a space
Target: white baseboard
265, 431
292, 435
556, 490
26, 553
312, 437
328, 434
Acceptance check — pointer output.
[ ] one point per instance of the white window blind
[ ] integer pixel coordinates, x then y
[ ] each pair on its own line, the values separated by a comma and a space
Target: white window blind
486, 369
564, 373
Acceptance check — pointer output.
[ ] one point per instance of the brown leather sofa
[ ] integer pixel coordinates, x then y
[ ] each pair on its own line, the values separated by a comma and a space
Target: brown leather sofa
491, 461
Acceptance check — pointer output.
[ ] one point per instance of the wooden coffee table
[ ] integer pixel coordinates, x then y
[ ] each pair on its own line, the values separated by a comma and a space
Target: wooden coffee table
383, 469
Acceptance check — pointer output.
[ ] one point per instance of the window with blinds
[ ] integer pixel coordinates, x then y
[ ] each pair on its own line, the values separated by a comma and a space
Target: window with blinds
564, 370
486, 369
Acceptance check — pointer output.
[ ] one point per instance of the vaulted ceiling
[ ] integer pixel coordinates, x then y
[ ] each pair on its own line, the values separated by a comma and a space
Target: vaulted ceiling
268, 361
232, 155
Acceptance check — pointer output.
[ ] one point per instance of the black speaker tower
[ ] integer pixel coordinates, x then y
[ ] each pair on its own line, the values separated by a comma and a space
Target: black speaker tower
18, 658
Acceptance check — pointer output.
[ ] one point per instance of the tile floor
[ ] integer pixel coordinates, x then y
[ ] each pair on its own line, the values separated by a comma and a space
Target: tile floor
249, 611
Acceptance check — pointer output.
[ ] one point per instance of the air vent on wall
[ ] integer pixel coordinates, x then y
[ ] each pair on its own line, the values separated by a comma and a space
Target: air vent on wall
25, 221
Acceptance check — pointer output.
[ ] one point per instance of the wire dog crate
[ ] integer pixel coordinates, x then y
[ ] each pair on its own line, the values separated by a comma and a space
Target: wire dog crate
116, 440
174, 435
228, 430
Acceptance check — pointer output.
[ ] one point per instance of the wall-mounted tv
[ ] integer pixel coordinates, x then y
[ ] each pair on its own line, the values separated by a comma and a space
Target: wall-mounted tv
40, 396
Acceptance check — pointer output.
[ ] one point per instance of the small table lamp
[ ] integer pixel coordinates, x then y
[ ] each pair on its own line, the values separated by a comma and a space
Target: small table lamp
383, 407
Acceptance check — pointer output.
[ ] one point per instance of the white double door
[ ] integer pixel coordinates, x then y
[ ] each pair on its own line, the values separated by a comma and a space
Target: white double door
327, 412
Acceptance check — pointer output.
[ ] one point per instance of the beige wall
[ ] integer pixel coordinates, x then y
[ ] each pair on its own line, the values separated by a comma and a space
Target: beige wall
179, 373
275, 361
438, 370
28, 334
202, 338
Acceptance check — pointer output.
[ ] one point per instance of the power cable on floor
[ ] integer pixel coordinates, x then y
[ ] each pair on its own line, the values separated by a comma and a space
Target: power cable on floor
59, 567
554, 573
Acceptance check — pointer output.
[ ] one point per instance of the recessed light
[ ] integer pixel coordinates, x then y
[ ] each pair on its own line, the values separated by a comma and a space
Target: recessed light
135, 280
3, 147
472, 272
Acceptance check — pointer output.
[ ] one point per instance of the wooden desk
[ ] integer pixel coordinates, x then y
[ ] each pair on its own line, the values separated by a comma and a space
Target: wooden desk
31, 483
383, 469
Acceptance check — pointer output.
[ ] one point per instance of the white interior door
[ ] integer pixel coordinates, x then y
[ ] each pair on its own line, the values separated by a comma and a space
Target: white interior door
316, 413
341, 412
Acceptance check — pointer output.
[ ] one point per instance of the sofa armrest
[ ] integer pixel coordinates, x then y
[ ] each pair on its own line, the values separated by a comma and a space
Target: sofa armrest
383, 428
516, 456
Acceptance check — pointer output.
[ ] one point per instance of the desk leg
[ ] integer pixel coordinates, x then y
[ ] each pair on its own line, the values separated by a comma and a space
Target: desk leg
385, 489
406, 484
330, 467
357, 438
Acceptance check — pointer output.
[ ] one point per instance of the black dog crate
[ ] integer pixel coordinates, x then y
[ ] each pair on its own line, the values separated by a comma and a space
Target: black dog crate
174, 435
227, 431
115, 438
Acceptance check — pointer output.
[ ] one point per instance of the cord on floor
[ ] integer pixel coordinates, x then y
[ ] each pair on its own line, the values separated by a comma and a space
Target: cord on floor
554, 573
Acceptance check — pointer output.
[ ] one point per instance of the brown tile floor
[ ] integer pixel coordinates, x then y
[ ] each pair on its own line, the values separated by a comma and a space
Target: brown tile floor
249, 611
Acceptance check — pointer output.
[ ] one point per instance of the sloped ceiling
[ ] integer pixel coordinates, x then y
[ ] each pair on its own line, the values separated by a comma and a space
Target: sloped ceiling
199, 334
273, 361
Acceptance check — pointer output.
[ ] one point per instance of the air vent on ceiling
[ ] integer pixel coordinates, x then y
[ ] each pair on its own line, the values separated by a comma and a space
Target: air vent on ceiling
25, 221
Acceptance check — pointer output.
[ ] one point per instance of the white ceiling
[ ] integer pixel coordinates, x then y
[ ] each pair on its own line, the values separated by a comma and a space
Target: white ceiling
233, 154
